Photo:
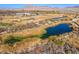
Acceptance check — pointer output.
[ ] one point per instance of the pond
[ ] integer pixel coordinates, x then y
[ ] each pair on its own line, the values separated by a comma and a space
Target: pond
56, 30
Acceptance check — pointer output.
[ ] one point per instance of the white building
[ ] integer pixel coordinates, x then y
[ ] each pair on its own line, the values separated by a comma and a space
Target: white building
21, 14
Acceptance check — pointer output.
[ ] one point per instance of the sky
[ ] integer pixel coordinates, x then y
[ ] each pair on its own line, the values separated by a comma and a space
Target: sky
25, 5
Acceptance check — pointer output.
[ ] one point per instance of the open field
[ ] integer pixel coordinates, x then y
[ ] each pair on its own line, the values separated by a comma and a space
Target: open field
21, 32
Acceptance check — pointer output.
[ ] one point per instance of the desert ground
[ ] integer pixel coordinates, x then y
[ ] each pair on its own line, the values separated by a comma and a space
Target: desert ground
21, 32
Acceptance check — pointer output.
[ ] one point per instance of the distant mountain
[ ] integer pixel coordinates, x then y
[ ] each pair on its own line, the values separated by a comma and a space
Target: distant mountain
73, 7
40, 8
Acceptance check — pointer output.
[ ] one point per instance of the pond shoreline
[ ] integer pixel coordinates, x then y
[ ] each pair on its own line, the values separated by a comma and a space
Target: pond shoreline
57, 30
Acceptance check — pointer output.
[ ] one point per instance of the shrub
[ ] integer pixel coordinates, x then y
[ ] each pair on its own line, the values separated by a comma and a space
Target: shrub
60, 43
13, 39
52, 38
5, 24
